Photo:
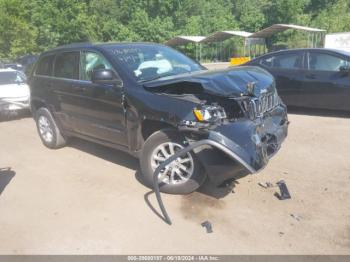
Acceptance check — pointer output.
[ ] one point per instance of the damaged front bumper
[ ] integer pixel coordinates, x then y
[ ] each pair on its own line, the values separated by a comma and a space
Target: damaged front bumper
251, 143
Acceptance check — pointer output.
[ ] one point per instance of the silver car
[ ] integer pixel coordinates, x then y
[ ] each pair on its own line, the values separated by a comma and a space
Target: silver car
14, 92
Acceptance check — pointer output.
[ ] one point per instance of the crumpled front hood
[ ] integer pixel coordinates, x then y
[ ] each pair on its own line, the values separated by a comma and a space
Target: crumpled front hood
227, 82
14, 91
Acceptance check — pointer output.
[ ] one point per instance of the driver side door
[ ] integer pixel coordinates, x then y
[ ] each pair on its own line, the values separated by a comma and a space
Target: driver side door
100, 106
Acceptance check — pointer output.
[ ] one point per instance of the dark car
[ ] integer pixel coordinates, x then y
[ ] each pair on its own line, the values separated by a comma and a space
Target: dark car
150, 101
310, 78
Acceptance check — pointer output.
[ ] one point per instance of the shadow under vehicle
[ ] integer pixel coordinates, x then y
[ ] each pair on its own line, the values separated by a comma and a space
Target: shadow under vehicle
152, 101
6, 175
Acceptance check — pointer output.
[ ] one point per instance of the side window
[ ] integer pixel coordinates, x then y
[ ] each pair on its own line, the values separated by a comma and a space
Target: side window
44, 67
268, 61
92, 61
325, 62
67, 65
286, 61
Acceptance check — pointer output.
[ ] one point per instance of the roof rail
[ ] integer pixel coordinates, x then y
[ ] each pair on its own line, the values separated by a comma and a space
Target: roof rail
78, 44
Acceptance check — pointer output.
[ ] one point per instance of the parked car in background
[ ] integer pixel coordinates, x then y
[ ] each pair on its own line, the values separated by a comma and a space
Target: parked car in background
27, 62
14, 91
310, 78
14, 66
150, 100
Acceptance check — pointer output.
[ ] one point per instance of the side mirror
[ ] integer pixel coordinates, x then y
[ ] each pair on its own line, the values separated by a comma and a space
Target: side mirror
105, 76
345, 69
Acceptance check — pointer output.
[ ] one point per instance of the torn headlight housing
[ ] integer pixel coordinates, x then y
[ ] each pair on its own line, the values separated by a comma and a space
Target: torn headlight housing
209, 113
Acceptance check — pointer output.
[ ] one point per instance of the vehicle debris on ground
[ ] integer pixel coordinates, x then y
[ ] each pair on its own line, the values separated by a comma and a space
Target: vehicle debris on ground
284, 193
208, 226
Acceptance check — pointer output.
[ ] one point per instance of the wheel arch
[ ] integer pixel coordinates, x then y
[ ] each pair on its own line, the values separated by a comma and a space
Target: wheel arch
149, 127
145, 129
35, 104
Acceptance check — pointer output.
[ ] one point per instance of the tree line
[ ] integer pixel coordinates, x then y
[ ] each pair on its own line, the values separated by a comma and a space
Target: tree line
32, 26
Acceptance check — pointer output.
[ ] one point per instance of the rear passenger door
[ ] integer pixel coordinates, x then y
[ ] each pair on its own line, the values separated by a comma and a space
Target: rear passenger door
325, 85
41, 81
288, 70
65, 97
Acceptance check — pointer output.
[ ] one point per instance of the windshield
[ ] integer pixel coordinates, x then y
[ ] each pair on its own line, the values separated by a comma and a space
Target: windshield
148, 62
11, 77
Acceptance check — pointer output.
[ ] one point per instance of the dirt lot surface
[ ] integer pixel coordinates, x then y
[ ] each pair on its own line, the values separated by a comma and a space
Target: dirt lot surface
86, 199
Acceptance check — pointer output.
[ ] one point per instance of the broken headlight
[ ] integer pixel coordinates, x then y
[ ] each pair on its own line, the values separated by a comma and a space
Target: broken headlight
209, 113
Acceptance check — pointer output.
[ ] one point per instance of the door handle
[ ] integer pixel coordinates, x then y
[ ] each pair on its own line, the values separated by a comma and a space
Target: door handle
310, 76
78, 88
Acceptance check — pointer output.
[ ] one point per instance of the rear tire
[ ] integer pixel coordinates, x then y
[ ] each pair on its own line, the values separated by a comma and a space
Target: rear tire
181, 177
48, 130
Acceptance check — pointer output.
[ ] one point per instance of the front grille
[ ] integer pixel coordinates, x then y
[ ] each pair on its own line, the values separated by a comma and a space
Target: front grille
258, 106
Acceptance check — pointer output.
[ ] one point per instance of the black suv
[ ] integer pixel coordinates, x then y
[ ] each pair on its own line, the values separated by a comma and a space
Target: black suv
151, 101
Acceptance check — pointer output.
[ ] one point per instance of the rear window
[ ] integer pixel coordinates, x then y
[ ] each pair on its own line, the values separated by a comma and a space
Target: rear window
67, 65
45, 66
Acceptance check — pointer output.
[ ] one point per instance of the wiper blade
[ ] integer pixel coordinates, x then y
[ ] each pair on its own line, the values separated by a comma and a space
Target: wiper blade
157, 77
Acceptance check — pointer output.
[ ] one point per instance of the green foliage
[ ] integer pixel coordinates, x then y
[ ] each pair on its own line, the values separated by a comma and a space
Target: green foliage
32, 26
60, 21
335, 17
16, 35
250, 14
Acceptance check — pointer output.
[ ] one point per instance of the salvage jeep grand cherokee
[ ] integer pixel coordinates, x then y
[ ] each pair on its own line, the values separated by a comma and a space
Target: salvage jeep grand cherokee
151, 101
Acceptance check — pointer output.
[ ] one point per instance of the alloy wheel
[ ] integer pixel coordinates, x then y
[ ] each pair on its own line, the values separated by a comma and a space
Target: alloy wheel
177, 172
45, 129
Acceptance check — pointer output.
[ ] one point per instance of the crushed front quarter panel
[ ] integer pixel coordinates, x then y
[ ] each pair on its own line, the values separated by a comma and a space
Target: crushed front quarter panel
251, 141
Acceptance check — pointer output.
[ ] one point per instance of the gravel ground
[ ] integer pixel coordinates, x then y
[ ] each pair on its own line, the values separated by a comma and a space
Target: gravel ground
87, 199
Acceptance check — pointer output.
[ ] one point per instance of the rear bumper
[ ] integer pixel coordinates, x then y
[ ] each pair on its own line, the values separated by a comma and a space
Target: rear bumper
250, 143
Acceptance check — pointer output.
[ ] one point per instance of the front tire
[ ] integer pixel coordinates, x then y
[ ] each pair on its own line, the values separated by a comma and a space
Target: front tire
182, 176
47, 128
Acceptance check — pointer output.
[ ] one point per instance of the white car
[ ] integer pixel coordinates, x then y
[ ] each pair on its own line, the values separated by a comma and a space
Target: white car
14, 92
